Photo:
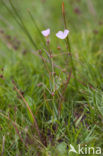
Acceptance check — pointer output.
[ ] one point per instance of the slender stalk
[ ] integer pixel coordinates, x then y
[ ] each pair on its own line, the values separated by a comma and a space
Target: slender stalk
64, 89
3, 144
15, 125
28, 107
45, 63
52, 64
69, 47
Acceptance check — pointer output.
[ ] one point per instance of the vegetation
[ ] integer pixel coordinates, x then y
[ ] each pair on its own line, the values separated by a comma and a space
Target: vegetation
51, 90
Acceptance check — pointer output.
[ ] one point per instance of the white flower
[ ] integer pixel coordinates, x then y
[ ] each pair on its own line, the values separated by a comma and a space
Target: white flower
46, 32
62, 35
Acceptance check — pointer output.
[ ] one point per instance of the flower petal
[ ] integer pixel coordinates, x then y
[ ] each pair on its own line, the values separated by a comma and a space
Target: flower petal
46, 32
62, 35
66, 32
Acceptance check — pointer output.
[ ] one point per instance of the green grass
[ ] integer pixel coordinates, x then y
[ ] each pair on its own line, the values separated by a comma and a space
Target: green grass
80, 119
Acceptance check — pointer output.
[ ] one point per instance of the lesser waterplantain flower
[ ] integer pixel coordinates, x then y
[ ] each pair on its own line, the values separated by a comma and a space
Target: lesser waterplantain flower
46, 32
62, 35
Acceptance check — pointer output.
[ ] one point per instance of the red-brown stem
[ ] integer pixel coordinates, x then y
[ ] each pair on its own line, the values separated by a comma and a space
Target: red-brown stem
62, 97
17, 131
15, 126
69, 47
27, 105
64, 17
